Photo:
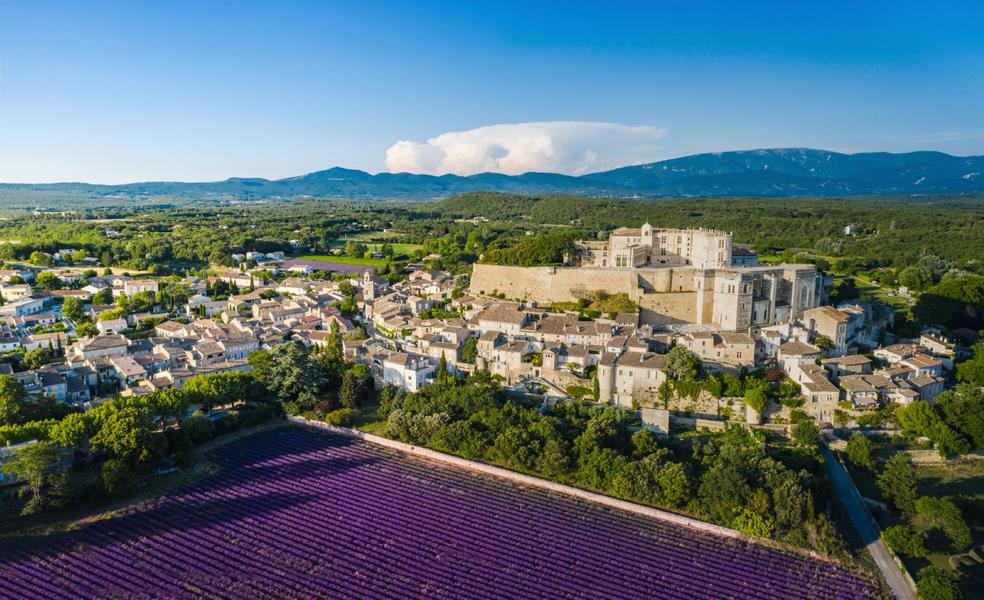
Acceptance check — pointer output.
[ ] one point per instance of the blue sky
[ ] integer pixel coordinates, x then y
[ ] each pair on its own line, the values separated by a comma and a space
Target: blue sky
125, 91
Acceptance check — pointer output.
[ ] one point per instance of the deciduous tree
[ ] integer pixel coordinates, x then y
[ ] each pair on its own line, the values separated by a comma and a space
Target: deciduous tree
682, 364
130, 435
72, 309
897, 483
35, 358
355, 387
73, 430
35, 465
12, 400
944, 513
934, 583
469, 350
292, 375
859, 451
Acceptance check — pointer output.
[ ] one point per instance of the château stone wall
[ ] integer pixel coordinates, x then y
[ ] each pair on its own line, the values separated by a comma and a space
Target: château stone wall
667, 295
660, 298
668, 308
549, 284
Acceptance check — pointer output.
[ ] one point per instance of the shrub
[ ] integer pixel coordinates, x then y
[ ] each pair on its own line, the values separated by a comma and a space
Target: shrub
178, 440
343, 417
200, 428
115, 475
806, 434
687, 389
578, 392
33, 430
903, 539
752, 523
756, 397
934, 583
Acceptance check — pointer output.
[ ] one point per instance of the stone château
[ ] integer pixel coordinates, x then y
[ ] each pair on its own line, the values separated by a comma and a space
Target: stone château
676, 276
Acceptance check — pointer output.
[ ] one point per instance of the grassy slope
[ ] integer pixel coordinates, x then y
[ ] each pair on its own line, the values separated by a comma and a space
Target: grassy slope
398, 247
345, 260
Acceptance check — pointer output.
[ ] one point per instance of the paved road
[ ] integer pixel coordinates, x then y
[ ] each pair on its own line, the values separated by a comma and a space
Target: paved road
867, 528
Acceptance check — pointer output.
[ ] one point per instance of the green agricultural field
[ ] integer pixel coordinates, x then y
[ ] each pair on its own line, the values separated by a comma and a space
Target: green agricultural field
345, 260
954, 478
398, 247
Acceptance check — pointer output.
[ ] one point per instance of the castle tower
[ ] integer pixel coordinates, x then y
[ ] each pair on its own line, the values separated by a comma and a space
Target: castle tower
606, 379
368, 287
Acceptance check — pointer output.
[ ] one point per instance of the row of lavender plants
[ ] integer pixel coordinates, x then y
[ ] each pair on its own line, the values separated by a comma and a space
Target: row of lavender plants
299, 513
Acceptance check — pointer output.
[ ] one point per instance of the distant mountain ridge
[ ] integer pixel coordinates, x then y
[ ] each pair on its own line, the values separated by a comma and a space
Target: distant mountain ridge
804, 171
783, 172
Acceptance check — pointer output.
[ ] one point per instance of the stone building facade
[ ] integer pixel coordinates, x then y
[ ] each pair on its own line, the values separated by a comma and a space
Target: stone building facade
646, 246
687, 280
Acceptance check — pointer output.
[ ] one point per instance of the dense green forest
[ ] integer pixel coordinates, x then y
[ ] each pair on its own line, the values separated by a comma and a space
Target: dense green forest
894, 231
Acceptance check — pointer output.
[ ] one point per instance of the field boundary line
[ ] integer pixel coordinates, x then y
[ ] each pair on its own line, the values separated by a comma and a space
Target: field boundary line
623, 505
571, 491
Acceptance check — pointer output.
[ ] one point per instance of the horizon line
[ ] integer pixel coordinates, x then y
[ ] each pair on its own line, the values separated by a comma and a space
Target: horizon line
373, 174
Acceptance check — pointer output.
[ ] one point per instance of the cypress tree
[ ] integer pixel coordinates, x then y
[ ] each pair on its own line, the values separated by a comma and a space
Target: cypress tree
442, 369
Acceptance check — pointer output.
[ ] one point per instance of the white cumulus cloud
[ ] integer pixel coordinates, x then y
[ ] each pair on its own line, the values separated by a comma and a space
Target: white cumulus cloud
571, 147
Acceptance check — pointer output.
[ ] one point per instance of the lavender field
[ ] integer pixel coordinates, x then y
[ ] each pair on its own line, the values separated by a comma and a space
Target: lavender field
297, 513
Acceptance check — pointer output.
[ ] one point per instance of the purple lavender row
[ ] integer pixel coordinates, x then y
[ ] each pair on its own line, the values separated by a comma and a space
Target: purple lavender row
305, 514
518, 565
